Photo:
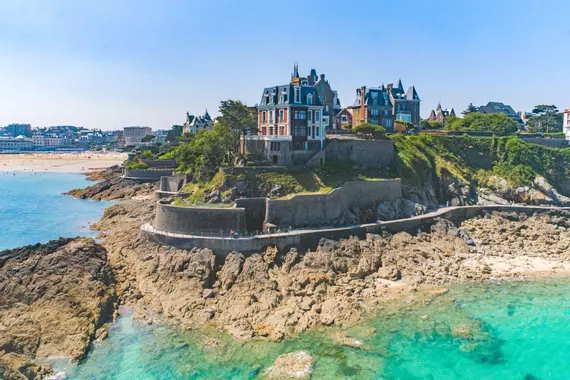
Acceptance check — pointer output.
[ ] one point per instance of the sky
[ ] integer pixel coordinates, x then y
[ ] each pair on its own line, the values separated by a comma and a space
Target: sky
114, 63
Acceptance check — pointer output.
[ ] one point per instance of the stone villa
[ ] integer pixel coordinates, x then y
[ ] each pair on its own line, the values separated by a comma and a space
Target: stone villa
441, 114
194, 124
291, 125
566, 123
385, 105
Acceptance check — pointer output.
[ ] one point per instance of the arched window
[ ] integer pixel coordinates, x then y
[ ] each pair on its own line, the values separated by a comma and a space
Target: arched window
310, 99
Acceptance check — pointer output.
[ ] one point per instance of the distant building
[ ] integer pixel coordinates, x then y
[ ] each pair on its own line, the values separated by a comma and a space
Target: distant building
16, 143
133, 135
441, 115
496, 107
343, 118
194, 124
15, 130
566, 123
385, 105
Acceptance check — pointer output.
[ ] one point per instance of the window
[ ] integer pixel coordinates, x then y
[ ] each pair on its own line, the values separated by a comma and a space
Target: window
310, 99
281, 116
300, 115
263, 117
300, 130
317, 131
275, 145
271, 116
310, 116
297, 94
318, 115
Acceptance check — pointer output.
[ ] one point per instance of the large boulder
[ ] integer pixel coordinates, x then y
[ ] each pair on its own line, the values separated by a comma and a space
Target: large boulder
296, 365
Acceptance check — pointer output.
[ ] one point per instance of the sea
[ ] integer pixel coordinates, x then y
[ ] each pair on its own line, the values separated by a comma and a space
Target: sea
501, 329
34, 210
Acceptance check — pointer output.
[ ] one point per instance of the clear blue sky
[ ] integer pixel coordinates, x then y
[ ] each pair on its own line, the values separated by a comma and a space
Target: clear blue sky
112, 63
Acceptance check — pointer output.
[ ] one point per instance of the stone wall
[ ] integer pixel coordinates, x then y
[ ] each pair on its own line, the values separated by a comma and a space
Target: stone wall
366, 153
317, 210
166, 163
305, 240
147, 175
548, 142
255, 209
199, 220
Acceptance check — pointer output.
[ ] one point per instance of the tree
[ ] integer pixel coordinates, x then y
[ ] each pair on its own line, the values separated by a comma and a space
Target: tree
470, 109
431, 124
174, 133
205, 152
370, 129
239, 120
496, 123
148, 138
545, 118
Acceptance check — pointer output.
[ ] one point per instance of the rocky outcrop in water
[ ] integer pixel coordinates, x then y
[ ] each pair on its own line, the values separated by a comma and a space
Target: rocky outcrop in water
116, 188
296, 365
105, 174
273, 294
54, 300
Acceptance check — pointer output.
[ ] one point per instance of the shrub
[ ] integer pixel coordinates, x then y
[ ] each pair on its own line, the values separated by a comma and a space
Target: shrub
370, 129
135, 165
499, 124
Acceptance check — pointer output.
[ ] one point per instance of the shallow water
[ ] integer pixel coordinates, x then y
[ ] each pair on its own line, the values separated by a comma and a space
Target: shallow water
33, 209
511, 330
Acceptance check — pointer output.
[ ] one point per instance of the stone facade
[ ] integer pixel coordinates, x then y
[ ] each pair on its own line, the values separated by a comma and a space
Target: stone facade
385, 105
441, 115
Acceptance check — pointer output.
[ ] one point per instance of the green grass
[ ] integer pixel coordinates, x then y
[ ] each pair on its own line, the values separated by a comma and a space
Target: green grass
474, 159
201, 190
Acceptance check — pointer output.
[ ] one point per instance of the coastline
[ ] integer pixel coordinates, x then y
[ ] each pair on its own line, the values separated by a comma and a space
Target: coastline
275, 295
58, 162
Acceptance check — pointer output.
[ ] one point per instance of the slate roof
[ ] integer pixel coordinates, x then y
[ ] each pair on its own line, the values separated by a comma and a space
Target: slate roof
288, 90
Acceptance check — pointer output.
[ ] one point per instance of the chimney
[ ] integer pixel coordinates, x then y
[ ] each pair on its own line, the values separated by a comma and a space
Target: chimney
362, 108
322, 76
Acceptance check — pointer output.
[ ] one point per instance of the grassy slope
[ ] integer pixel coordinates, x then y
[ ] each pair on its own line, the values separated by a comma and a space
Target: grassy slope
473, 159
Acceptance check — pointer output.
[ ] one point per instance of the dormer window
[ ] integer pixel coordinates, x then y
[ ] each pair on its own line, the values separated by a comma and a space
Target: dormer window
297, 94
304, 83
310, 99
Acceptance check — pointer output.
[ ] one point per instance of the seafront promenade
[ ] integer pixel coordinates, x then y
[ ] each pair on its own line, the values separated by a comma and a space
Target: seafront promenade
304, 239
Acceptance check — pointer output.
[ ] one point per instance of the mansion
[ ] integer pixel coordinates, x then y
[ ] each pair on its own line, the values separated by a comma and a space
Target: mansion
385, 105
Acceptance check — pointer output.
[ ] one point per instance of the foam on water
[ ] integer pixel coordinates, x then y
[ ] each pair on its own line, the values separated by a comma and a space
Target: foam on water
33, 209
513, 330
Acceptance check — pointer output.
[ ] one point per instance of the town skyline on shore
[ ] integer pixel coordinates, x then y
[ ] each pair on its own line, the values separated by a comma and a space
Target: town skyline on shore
108, 66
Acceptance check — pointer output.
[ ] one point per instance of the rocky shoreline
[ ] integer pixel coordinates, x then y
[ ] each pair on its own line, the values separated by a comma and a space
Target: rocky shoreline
269, 295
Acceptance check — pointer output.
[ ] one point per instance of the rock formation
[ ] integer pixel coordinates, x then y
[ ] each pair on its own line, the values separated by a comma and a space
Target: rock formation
54, 300
115, 188
274, 294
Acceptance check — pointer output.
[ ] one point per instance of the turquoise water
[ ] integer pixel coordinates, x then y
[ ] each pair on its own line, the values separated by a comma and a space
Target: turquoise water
33, 209
512, 330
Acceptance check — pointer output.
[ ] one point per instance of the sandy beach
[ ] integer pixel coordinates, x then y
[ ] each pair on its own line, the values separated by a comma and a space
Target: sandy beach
72, 162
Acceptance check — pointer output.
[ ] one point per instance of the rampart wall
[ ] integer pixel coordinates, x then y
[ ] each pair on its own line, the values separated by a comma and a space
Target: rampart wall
317, 210
366, 153
199, 220
308, 239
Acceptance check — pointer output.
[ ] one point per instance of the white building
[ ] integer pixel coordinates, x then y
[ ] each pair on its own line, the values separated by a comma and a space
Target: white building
566, 123
16, 143
133, 135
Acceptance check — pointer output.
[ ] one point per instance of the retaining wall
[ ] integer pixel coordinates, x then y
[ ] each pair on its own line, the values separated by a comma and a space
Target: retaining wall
254, 212
313, 210
166, 163
366, 153
199, 220
305, 240
548, 142
147, 175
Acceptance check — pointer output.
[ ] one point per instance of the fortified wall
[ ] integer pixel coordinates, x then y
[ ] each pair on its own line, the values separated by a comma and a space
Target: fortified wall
251, 215
366, 153
317, 210
304, 240
146, 175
